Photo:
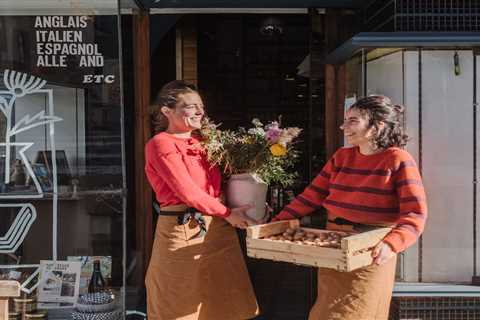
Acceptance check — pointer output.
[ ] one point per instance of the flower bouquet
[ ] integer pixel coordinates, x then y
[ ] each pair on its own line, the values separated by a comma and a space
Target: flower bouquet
251, 159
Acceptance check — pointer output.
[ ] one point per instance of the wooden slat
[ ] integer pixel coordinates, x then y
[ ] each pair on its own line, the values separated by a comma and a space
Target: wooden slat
340, 110
331, 129
363, 240
287, 247
178, 54
3, 308
331, 125
143, 192
359, 260
263, 230
9, 288
189, 50
190, 54
297, 259
336, 32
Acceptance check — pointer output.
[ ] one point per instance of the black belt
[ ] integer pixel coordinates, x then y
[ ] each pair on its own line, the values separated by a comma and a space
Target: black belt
184, 217
359, 226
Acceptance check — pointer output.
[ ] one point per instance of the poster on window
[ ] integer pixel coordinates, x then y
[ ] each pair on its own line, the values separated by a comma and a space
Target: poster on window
59, 281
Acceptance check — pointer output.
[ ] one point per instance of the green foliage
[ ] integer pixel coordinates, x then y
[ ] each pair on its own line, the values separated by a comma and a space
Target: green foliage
267, 151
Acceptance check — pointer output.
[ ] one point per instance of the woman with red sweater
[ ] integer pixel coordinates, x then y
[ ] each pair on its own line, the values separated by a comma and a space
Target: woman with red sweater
196, 270
373, 183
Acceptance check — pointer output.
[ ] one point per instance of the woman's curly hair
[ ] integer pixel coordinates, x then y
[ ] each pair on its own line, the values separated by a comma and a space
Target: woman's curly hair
168, 97
380, 109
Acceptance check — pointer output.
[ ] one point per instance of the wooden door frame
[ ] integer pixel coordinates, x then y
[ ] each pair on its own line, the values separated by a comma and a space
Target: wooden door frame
142, 131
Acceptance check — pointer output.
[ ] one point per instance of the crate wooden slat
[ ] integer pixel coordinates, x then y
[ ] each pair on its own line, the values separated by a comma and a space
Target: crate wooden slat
364, 240
8, 289
346, 258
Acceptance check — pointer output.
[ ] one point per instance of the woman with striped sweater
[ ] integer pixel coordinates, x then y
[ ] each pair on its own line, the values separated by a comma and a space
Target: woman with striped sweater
373, 183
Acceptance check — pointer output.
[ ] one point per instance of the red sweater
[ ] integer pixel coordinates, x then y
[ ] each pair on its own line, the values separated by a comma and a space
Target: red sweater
179, 173
383, 188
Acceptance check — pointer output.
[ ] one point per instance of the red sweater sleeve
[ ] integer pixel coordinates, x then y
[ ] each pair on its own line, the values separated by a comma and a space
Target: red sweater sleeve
311, 198
412, 204
169, 165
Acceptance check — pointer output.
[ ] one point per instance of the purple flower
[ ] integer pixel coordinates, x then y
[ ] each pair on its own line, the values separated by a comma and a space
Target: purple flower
273, 134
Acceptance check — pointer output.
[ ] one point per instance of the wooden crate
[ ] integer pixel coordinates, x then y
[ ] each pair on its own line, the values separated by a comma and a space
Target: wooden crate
8, 289
354, 251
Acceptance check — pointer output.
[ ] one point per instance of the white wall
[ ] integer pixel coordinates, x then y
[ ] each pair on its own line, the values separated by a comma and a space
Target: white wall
478, 165
384, 76
411, 77
447, 166
447, 154
388, 76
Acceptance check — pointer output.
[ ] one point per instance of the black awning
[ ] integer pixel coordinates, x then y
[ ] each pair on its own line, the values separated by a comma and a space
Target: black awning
403, 40
251, 3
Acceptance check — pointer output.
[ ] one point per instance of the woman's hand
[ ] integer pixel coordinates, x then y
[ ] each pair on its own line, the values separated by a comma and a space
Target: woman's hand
267, 216
382, 253
239, 219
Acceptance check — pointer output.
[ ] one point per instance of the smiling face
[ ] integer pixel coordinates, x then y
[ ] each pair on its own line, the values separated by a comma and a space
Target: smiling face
187, 114
357, 129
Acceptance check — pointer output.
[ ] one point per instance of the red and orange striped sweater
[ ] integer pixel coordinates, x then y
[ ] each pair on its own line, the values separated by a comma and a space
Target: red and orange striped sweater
383, 188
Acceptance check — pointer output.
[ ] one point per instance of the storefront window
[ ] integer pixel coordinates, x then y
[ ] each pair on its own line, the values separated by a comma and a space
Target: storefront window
354, 77
439, 88
61, 165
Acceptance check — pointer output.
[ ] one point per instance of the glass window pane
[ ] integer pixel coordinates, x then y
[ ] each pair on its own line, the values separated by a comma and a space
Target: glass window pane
61, 167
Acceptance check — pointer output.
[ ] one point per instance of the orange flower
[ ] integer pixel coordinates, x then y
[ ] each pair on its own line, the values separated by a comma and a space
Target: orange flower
278, 150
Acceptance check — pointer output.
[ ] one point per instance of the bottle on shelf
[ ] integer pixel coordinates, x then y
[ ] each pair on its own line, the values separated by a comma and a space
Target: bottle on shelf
97, 282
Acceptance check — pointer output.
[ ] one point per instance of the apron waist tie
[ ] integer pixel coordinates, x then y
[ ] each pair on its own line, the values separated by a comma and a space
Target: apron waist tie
184, 215
356, 226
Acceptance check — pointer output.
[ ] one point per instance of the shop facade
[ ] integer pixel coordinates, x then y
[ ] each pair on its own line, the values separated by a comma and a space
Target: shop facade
76, 81
63, 182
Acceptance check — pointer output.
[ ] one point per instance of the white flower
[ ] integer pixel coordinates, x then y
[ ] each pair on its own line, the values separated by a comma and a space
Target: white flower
257, 123
256, 131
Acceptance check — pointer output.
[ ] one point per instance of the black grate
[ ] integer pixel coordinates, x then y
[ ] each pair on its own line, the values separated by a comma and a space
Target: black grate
435, 308
423, 15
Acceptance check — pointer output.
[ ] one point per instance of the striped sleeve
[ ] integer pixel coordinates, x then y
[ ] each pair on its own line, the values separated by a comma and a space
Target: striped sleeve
412, 204
311, 198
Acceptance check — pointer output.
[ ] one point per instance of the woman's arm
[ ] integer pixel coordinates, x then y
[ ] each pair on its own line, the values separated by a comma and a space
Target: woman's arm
311, 198
413, 207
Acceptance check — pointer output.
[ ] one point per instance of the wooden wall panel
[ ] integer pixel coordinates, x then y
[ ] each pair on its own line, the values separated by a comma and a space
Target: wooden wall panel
330, 110
341, 92
335, 90
187, 51
339, 26
143, 192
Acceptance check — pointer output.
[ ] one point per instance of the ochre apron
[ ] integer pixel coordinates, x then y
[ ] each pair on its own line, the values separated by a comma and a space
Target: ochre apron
201, 278
362, 294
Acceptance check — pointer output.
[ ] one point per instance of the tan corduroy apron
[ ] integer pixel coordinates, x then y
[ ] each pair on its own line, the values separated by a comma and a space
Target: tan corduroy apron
203, 278
362, 294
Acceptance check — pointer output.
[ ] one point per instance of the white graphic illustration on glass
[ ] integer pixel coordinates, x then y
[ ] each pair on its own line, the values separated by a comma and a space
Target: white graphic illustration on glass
23, 146
18, 230
18, 85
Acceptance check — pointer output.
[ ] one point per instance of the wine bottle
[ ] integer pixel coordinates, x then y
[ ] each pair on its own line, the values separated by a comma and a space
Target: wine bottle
97, 283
